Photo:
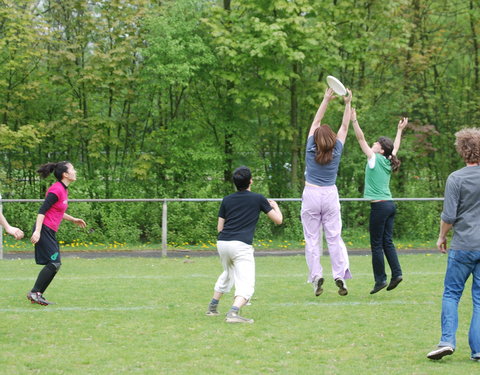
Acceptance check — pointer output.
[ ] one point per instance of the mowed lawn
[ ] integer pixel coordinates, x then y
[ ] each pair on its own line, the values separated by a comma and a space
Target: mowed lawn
146, 316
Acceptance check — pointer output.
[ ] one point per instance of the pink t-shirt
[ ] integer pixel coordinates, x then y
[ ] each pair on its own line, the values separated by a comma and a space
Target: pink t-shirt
54, 216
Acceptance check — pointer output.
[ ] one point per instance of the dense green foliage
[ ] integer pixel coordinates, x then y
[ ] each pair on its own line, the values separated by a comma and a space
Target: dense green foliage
165, 98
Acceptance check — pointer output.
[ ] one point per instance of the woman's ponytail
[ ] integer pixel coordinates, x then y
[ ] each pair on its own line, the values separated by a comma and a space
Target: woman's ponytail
45, 169
58, 169
387, 147
395, 163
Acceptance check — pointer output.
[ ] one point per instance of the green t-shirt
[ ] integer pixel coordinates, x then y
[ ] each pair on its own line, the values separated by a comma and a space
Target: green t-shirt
377, 179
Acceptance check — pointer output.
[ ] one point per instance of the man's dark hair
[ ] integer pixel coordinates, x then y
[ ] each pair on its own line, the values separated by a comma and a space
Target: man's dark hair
241, 178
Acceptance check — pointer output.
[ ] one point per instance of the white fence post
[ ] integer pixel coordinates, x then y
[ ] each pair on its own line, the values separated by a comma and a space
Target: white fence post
164, 228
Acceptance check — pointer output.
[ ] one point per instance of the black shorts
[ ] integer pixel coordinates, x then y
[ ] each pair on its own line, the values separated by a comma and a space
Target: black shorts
47, 249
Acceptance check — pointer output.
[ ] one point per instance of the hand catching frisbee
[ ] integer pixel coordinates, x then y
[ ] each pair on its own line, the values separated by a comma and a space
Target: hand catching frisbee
336, 85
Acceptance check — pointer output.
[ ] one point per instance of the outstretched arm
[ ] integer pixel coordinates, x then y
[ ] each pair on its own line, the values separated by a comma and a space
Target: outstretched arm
360, 137
343, 131
321, 110
75, 220
401, 125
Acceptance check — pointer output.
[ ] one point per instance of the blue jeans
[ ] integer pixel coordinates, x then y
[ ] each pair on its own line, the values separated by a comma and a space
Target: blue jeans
461, 263
382, 215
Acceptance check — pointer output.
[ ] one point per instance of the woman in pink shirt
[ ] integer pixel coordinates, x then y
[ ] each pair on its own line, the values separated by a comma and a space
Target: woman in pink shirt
50, 215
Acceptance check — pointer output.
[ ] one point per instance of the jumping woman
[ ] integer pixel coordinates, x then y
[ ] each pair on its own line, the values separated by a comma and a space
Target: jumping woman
320, 201
382, 161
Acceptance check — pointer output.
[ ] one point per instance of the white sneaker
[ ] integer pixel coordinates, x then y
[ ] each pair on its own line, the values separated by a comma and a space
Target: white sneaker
233, 317
342, 286
440, 352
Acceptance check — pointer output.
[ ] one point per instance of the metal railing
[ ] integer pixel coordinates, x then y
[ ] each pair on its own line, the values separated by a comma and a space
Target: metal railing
165, 201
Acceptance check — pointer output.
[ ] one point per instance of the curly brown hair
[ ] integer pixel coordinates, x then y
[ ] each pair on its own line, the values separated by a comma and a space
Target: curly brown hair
468, 144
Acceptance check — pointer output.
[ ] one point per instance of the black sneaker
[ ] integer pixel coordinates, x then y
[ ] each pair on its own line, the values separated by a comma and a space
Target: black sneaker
212, 309
37, 297
377, 288
440, 352
394, 282
317, 286
342, 287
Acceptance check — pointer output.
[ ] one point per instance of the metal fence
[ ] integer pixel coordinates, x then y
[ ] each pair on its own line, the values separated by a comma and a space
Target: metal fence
165, 202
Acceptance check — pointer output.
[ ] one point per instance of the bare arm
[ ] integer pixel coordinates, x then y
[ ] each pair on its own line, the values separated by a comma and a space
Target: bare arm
275, 214
74, 220
401, 125
38, 227
343, 131
14, 231
442, 236
360, 137
321, 111
3, 221
220, 224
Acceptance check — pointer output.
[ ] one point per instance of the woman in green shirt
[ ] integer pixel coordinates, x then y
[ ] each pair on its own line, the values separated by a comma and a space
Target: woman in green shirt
382, 160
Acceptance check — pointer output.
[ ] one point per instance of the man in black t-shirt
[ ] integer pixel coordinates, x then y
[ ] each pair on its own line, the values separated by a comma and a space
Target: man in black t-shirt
237, 219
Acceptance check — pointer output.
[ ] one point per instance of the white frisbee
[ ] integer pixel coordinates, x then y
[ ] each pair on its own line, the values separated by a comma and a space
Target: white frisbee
336, 85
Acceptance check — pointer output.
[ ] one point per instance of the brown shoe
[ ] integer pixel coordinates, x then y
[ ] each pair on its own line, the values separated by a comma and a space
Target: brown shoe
377, 288
394, 282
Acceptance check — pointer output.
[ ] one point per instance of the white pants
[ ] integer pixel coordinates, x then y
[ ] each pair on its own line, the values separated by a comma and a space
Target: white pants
238, 268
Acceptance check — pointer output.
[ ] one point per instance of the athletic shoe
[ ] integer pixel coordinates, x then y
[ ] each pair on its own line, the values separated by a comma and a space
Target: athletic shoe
440, 352
377, 288
233, 317
317, 286
342, 287
476, 359
212, 310
37, 297
394, 282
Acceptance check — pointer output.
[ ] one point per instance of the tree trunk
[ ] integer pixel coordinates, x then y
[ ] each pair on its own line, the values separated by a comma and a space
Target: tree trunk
228, 146
475, 48
297, 132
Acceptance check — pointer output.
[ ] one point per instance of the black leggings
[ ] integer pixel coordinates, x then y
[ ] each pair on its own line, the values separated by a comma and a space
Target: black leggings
45, 277
382, 215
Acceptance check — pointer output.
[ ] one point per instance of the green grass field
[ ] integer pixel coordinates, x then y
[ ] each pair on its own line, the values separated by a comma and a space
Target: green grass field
146, 316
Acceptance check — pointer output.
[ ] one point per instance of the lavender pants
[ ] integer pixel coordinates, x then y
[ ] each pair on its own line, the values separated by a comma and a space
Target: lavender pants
321, 207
